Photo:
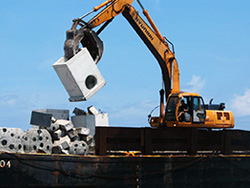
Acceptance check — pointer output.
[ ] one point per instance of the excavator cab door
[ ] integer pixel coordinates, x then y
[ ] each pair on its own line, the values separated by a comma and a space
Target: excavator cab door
198, 110
171, 108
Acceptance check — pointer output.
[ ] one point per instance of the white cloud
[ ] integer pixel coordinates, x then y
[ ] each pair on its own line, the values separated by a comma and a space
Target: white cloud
132, 114
240, 104
157, 2
8, 100
196, 84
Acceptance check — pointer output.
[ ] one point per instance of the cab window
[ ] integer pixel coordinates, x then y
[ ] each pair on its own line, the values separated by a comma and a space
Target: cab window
198, 104
199, 112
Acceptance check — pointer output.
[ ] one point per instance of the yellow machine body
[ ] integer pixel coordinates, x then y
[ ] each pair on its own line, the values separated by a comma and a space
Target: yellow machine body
198, 115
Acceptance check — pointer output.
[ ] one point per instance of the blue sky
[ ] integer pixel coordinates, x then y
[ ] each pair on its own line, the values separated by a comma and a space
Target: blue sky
211, 40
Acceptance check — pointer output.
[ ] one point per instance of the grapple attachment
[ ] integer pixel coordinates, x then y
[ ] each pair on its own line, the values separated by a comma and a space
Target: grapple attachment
88, 38
94, 45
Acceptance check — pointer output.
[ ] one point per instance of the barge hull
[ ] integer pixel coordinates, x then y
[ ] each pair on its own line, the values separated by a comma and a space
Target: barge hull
41, 170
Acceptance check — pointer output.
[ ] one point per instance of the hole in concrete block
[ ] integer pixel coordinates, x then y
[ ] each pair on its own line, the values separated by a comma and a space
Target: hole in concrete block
34, 139
34, 147
19, 146
12, 134
90, 81
11, 146
4, 142
41, 145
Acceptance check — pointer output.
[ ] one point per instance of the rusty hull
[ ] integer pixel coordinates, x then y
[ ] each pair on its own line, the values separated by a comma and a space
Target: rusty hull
42, 170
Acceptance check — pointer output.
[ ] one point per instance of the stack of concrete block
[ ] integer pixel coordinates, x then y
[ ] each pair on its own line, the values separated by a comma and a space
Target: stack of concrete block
37, 140
11, 140
89, 121
61, 137
67, 139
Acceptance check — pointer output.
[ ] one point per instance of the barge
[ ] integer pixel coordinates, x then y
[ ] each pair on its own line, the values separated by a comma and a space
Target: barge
139, 157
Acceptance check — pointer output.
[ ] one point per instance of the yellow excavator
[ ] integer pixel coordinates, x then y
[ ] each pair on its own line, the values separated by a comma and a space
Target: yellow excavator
182, 109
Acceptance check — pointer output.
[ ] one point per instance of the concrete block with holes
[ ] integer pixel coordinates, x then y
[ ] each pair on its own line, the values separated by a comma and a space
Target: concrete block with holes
79, 75
11, 140
78, 148
37, 140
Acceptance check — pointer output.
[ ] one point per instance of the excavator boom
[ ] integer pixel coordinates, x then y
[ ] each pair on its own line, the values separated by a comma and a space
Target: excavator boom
158, 47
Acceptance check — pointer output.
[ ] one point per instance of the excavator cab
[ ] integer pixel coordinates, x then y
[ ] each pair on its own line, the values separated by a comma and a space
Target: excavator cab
184, 109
